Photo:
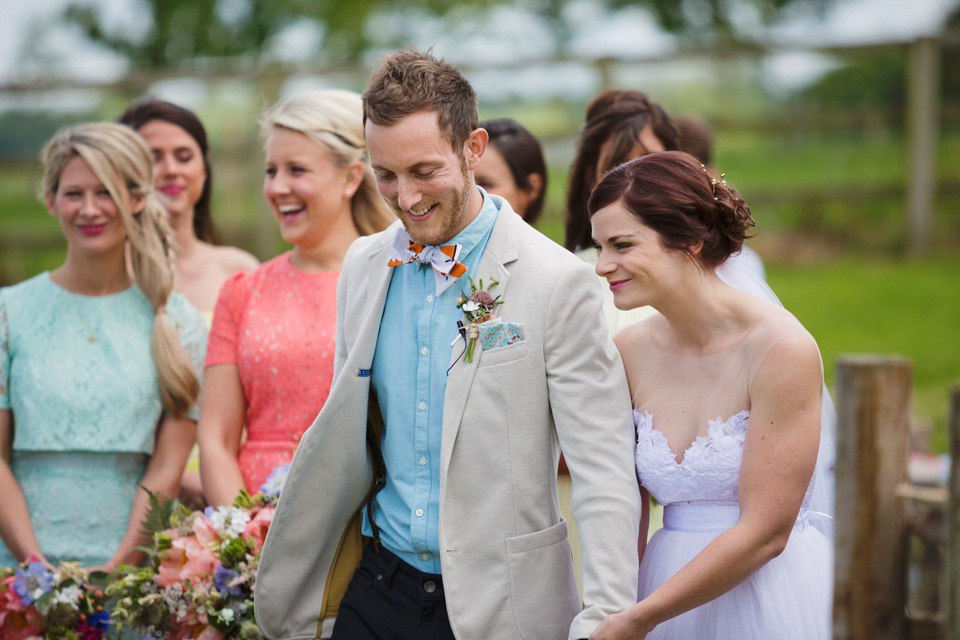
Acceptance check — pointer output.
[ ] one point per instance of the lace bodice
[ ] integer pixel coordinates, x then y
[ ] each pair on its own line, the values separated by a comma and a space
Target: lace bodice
77, 371
709, 470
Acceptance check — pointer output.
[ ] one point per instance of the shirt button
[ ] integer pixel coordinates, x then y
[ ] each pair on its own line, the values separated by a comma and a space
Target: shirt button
422, 406
422, 461
424, 556
424, 351
429, 298
429, 586
419, 513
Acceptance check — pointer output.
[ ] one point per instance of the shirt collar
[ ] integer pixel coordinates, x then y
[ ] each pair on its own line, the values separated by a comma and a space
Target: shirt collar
477, 230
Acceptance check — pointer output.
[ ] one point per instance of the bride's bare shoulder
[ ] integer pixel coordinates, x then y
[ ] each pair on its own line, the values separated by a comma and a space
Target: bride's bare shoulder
637, 333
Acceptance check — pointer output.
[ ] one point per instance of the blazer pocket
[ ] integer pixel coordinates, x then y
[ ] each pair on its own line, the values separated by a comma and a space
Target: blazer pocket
543, 587
503, 355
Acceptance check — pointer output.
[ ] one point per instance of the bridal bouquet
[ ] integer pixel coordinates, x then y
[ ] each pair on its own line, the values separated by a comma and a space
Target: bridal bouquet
202, 570
37, 602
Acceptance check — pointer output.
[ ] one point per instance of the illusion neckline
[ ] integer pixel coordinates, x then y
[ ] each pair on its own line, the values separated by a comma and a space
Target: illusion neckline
727, 349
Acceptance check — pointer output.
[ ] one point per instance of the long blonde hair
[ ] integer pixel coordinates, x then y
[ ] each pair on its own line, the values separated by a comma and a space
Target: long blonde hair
122, 162
334, 118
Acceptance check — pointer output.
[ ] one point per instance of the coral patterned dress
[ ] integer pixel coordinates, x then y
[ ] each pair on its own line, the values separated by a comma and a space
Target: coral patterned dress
277, 324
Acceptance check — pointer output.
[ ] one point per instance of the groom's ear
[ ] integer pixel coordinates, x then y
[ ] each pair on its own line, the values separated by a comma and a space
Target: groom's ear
473, 148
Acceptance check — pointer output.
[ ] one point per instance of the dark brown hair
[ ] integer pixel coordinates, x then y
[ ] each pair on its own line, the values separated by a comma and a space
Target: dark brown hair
142, 112
410, 82
674, 195
619, 116
523, 156
695, 138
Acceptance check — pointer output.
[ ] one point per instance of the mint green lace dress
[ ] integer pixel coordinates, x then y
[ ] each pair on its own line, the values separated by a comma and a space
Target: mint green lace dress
77, 375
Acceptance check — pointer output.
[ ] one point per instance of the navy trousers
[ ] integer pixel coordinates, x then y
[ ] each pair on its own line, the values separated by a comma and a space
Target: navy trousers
387, 599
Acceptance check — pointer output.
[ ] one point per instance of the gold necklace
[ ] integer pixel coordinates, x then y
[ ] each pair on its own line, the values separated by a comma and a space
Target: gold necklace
91, 329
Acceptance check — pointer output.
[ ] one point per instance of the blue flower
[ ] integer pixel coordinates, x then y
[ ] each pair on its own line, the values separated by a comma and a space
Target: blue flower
100, 620
32, 582
274, 484
222, 579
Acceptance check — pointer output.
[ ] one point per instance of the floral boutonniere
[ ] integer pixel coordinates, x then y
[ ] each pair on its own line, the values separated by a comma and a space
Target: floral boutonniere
478, 307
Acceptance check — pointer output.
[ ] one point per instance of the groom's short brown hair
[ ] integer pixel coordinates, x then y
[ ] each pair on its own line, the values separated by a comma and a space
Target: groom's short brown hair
410, 82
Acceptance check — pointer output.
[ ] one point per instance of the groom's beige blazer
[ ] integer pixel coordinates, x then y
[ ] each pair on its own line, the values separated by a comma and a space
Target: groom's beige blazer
506, 560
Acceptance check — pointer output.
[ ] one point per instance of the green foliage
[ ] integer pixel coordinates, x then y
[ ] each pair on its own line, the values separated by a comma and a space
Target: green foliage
234, 551
163, 513
185, 29
868, 80
158, 515
245, 501
695, 20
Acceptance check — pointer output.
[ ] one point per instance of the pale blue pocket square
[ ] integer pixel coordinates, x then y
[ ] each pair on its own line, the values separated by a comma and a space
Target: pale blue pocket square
497, 333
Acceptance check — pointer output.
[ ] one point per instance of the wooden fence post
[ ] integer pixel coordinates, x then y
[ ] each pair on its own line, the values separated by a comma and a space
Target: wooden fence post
922, 127
873, 409
952, 578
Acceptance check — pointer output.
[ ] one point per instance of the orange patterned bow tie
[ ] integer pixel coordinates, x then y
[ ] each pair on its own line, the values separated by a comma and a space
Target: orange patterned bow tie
443, 259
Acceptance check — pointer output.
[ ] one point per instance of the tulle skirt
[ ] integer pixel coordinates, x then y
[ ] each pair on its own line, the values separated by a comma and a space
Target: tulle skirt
788, 598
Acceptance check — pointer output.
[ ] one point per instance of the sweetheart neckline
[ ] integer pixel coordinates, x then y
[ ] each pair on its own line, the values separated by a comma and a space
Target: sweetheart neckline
740, 416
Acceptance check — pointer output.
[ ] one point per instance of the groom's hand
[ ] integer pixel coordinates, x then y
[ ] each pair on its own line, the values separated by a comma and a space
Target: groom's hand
619, 626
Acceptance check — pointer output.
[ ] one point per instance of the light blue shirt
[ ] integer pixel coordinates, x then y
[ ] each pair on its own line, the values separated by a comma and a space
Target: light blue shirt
410, 378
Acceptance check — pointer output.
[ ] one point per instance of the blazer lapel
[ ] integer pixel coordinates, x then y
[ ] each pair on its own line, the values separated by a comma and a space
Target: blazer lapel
502, 249
378, 283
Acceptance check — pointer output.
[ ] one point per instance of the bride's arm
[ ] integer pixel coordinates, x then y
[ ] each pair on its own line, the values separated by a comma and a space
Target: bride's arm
779, 456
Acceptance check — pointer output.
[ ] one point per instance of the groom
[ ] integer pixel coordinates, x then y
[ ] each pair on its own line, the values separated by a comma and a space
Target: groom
446, 462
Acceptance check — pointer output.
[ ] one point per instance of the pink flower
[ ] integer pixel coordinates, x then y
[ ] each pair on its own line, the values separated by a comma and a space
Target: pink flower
9, 600
17, 622
210, 633
186, 559
256, 529
482, 298
206, 534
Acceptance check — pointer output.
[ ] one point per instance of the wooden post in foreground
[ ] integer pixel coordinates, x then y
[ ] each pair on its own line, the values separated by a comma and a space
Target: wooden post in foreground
873, 427
952, 570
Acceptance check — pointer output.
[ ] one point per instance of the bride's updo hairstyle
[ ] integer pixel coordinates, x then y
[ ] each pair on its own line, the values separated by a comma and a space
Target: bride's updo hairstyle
673, 194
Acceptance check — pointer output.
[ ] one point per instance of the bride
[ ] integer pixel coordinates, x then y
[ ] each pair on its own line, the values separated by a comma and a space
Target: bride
727, 390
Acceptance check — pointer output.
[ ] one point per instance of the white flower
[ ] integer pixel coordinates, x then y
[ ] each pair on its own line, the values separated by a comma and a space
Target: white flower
227, 615
172, 595
229, 521
470, 306
68, 595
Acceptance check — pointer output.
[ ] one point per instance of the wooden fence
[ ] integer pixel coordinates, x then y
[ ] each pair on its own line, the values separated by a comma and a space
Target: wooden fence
897, 542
